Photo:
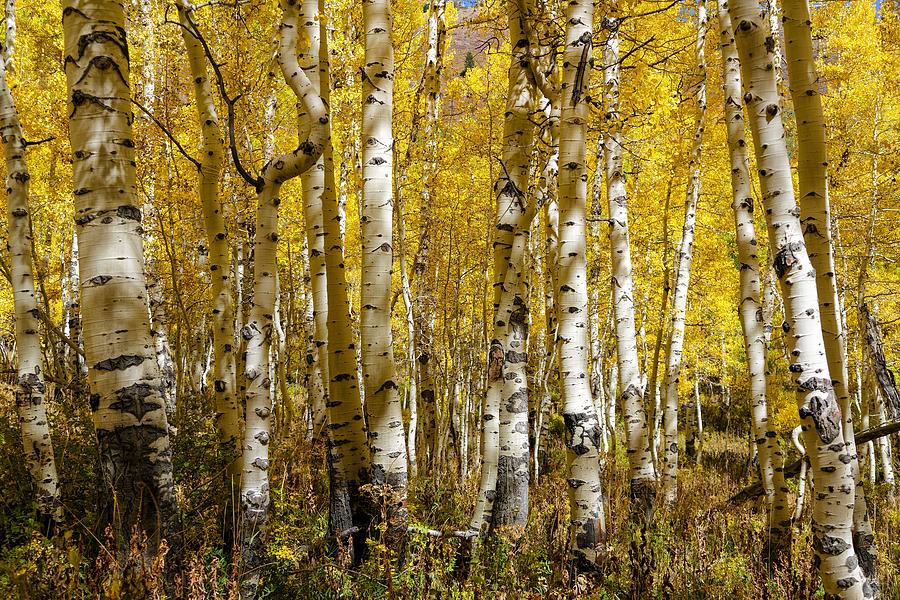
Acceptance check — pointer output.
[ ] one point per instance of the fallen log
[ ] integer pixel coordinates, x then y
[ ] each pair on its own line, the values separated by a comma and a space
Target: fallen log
756, 490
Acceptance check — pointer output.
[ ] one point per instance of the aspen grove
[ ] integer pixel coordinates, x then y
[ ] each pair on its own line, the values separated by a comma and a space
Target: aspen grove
455, 299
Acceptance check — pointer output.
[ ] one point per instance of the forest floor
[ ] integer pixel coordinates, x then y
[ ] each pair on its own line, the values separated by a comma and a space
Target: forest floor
700, 548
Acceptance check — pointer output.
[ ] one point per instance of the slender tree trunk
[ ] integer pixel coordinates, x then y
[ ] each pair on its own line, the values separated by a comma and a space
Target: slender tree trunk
259, 329
386, 437
683, 273
642, 472
129, 415
212, 156
816, 400
10, 42
500, 419
579, 413
313, 182
750, 307
815, 215
662, 329
424, 303
348, 451
38, 447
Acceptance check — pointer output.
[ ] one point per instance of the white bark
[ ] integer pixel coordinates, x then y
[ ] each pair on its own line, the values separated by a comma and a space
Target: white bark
386, 433
685, 255
313, 182
818, 406
259, 329
751, 309
348, 451
212, 157
30, 400
642, 472
815, 215
583, 433
124, 379
502, 425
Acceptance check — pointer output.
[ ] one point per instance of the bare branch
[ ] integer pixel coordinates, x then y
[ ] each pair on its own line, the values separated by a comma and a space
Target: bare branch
168, 133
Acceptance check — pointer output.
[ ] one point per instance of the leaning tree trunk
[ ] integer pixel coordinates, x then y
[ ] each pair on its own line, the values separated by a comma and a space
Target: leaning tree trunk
750, 308
583, 433
347, 446
259, 329
815, 215
212, 151
137, 489
640, 457
386, 439
818, 407
38, 447
683, 274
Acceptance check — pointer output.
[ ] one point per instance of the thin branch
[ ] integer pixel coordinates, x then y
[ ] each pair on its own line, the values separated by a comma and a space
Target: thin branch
168, 133
63, 337
27, 143
194, 30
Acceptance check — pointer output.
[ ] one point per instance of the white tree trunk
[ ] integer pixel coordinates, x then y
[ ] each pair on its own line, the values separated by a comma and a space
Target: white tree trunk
751, 309
348, 451
386, 433
259, 329
38, 447
128, 412
815, 215
212, 157
669, 479
583, 433
510, 244
816, 400
642, 472
313, 182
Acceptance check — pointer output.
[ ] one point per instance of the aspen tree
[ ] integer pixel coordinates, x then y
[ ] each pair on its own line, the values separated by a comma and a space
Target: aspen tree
348, 453
583, 434
506, 402
424, 302
11, 28
546, 195
313, 182
124, 380
642, 474
30, 400
683, 272
863, 536
750, 308
259, 328
815, 216
818, 407
212, 157
385, 418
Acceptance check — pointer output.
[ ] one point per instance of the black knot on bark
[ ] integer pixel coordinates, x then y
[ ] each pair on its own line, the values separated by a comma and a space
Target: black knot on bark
786, 258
